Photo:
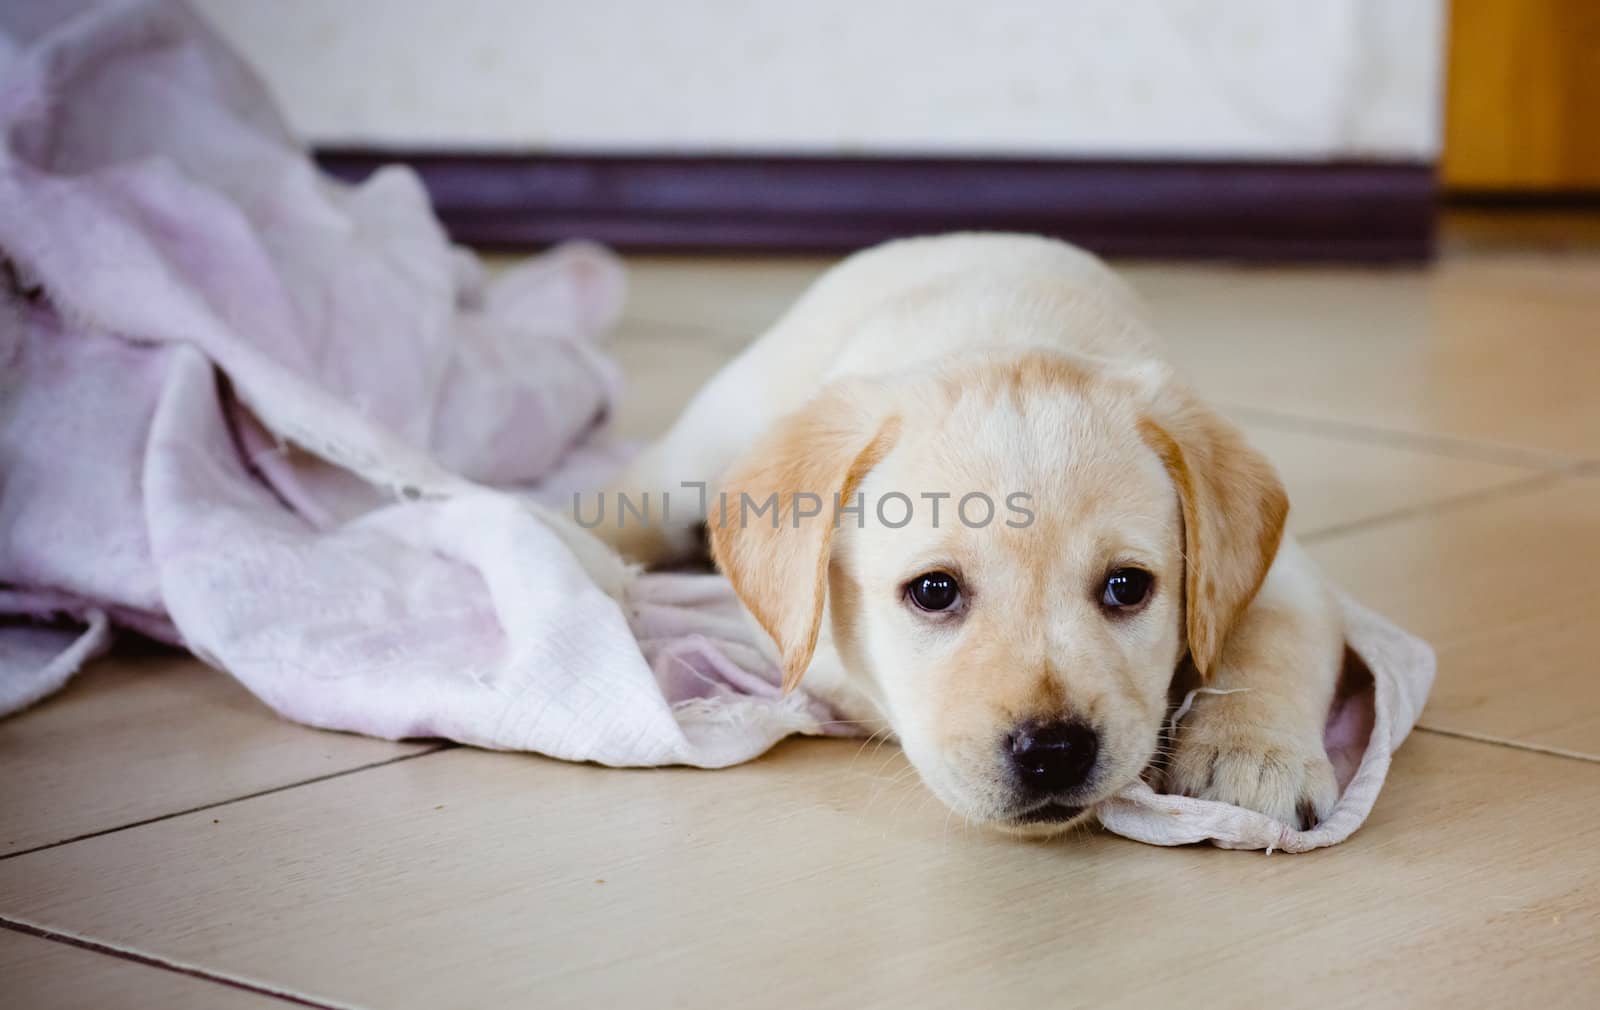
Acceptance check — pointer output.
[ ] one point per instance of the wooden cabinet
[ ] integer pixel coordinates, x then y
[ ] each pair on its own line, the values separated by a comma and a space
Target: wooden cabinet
1523, 101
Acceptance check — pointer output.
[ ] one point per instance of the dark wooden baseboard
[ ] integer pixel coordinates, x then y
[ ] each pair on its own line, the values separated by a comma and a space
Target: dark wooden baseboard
1352, 211
1582, 201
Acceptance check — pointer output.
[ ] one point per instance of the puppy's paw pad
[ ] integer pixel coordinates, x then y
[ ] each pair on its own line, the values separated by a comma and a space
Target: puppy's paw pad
1291, 783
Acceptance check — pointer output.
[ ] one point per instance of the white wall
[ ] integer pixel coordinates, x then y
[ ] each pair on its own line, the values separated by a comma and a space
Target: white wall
1204, 78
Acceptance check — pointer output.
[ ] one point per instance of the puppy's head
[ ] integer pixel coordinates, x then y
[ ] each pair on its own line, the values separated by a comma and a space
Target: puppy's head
1040, 539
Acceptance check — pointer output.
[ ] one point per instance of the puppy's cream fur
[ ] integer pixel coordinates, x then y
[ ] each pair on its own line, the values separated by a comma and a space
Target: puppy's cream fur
1001, 364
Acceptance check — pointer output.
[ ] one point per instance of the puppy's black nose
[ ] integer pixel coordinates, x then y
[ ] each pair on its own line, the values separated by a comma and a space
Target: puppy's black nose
1055, 757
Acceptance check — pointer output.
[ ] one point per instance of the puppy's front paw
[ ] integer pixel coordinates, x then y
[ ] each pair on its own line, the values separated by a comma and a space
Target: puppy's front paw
1286, 776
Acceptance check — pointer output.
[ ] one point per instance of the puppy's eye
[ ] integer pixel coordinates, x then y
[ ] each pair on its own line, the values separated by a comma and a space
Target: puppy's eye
934, 591
1126, 587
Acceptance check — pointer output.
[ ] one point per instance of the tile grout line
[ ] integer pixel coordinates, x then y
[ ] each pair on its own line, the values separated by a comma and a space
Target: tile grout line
1397, 438
1497, 741
150, 961
1509, 489
230, 800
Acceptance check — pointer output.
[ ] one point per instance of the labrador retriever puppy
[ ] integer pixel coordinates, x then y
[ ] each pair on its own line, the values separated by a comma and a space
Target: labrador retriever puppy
962, 494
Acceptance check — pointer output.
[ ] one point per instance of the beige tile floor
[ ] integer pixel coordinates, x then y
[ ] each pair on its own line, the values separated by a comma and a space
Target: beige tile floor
166, 842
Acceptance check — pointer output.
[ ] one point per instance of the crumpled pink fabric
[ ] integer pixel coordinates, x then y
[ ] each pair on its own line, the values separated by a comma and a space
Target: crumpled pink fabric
282, 422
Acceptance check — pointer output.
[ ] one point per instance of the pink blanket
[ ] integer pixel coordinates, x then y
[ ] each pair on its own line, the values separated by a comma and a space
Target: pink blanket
278, 420
282, 422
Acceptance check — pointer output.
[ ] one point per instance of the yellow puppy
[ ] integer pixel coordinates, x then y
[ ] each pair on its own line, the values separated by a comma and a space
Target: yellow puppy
960, 491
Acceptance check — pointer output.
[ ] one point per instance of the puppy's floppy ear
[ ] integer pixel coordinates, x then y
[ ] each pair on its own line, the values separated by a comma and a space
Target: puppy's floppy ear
1233, 505
778, 563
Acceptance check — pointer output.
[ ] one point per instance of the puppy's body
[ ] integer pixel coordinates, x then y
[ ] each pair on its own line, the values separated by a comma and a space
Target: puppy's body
996, 365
